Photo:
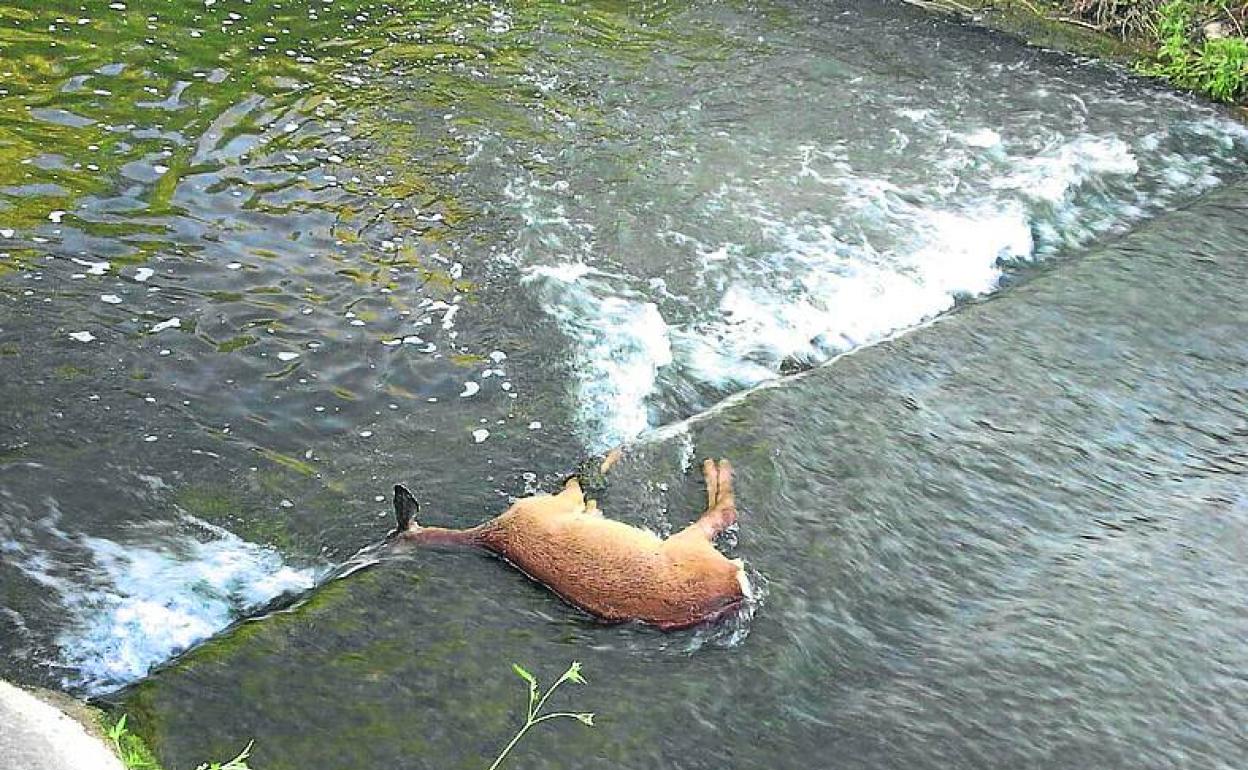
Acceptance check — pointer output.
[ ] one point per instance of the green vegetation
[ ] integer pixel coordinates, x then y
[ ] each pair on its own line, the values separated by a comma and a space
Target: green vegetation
132, 750
1215, 66
1199, 45
537, 700
237, 763
1196, 45
136, 755
237, 343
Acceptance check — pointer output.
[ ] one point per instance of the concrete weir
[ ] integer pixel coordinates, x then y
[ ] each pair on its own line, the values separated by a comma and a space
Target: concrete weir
38, 735
1024, 523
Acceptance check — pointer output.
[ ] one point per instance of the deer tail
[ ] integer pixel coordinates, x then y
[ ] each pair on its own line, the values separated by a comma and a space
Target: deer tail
405, 509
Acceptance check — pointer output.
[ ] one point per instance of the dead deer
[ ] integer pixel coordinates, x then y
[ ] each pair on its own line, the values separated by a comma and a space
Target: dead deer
610, 569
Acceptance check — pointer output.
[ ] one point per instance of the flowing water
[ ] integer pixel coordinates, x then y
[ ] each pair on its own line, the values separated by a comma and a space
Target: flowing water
258, 261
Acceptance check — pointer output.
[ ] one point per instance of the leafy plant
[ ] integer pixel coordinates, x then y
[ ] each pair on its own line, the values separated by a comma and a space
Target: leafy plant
537, 699
1217, 67
130, 748
1222, 68
135, 755
237, 763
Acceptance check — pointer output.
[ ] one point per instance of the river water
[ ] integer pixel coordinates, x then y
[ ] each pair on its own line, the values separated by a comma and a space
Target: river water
259, 262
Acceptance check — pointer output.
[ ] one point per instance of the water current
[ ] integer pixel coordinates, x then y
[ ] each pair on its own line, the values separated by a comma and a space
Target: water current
259, 261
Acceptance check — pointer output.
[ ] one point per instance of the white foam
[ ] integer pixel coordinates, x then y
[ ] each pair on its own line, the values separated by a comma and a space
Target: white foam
838, 301
621, 343
984, 138
93, 268
139, 605
802, 257
157, 602
1053, 175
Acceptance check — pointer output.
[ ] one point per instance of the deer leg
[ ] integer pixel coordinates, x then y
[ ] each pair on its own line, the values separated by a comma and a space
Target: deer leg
711, 476
574, 497
441, 536
612, 458
721, 506
572, 493
591, 476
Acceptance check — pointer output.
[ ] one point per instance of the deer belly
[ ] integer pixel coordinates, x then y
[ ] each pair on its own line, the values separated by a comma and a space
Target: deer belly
619, 575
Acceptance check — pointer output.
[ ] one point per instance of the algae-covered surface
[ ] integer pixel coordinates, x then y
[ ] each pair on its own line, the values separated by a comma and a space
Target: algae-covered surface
259, 261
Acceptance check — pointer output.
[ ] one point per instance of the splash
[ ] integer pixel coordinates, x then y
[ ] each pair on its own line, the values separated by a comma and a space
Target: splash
622, 343
787, 263
140, 605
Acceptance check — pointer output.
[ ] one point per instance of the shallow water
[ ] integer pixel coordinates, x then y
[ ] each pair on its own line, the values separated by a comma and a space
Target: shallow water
257, 263
1013, 538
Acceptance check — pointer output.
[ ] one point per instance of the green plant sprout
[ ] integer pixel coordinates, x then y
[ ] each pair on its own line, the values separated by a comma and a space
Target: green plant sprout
135, 755
237, 763
130, 749
537, 700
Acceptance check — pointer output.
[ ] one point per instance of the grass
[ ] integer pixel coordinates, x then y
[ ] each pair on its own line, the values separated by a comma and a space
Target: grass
1217, 67
537, 700
1185, 53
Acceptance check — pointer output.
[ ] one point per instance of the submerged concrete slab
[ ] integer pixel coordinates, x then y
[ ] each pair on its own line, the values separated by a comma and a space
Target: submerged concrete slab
39, 736
1015, 538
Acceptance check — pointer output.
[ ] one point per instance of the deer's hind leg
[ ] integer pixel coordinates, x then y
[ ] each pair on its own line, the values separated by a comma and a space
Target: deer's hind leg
721, 505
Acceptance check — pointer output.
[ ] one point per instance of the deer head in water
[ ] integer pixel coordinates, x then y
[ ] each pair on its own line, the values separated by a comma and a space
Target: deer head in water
610, 569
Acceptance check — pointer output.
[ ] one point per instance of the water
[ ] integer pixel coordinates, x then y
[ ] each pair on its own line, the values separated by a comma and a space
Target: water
1012, 538
258, 263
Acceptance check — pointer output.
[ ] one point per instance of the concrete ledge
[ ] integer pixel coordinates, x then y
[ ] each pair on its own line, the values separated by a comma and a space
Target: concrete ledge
35, 735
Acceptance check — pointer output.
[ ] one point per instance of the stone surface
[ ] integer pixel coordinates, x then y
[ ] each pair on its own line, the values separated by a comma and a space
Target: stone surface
1215, 30
38, 736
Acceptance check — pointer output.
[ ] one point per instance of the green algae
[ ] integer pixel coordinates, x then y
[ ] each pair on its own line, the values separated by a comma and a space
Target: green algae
69, 372
211, 503
286, 461
468, 359
284, 372
237, 343
1042, 23
228, 507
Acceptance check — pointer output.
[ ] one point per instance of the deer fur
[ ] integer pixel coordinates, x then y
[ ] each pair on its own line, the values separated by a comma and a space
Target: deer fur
610, 569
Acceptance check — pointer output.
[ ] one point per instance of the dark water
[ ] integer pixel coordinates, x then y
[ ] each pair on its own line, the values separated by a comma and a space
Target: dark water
465, 246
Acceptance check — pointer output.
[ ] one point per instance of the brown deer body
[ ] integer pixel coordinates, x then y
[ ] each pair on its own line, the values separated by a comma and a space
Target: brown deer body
610, 569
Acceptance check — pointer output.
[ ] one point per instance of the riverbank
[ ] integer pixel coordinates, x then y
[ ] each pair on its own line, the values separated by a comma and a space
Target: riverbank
49, 731
1199, 46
